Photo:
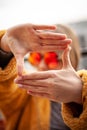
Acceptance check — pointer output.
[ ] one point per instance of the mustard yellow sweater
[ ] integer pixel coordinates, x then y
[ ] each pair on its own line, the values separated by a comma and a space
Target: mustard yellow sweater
24, 112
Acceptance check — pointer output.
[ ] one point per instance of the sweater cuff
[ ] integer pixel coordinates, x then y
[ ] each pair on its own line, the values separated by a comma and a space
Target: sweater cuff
75, 115
2, 32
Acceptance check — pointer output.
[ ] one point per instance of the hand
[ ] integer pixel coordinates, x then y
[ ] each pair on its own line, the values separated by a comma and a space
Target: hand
28, 37
58, 85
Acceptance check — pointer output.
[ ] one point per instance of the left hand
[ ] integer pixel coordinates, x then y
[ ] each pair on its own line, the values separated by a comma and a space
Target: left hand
58, 85
28, 37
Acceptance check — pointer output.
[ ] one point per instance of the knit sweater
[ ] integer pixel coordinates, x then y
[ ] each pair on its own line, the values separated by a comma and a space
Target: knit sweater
21, 110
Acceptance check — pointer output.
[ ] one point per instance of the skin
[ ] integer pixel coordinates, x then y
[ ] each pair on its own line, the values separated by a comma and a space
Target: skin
54, 84
25, 38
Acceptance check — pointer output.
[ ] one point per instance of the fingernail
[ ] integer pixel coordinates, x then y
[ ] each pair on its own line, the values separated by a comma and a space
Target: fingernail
19, 78
15, 80
20, 85
27, 92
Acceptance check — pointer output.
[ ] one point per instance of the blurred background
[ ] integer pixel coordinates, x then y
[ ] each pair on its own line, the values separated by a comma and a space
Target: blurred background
72, 12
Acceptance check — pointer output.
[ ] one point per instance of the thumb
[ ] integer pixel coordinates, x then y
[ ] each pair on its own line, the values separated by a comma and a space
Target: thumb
66, 58
20, 65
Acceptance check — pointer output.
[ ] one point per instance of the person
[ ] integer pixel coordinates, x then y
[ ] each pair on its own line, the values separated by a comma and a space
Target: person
53, 60
66, 86
22, 111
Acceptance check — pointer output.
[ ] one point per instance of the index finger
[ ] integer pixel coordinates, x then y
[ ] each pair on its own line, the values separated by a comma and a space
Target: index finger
52, 35
44, 27
35, 75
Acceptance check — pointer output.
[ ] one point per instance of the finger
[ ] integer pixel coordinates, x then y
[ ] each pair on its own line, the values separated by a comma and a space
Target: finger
34, 82
33, 88
48, 48
34, 75
52, 35
44, 95
44, 27
55, 42
66, 58
20, 65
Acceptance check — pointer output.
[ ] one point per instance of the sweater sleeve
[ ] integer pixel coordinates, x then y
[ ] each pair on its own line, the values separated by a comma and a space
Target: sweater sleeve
75, 115
4, 56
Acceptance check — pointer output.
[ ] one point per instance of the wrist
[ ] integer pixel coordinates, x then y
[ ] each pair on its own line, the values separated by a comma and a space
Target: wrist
78, 91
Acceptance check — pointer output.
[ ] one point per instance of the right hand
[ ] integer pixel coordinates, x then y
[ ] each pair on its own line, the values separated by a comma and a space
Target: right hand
57, 85
28, 37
